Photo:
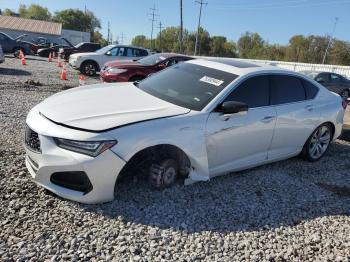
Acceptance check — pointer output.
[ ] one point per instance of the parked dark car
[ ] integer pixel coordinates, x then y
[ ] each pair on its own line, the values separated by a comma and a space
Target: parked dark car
45, 52
129, 70
332, 81
65, 52
39, 43
14, 45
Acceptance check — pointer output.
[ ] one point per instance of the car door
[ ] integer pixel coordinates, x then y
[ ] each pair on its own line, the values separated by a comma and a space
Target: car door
324, 79
243, 139
112, 54
5, 42
297, 114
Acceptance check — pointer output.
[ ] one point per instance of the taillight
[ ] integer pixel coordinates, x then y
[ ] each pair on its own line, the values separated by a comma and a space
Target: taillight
344, 103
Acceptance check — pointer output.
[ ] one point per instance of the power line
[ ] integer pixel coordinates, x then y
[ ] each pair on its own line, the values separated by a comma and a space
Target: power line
122, 36
153, 15
330, 40
201, 3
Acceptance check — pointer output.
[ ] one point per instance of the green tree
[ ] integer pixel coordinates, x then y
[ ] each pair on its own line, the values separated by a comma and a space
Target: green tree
340, 53
221, 48
34, 12
141, 41
8, 12
98, 38
251, 45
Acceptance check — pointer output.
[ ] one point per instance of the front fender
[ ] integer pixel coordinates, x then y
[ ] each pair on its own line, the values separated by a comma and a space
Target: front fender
185, 132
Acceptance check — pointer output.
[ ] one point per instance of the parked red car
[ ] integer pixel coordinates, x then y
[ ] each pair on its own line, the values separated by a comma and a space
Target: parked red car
125, 71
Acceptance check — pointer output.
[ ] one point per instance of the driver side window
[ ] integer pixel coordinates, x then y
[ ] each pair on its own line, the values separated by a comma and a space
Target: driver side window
114, 51
253, 91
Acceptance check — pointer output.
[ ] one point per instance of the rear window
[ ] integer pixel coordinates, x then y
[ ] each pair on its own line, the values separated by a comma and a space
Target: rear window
310, 89
187, 85
286, 89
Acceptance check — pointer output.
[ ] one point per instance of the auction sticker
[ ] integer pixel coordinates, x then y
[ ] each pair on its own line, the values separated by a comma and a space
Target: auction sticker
211, 80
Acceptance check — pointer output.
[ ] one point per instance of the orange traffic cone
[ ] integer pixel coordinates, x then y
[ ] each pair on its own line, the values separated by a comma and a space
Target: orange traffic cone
59, 63
50, 57
20, 56
23, 61
81, 80
64, 73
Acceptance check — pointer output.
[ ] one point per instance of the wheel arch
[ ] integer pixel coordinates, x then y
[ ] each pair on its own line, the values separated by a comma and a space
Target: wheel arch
90, 61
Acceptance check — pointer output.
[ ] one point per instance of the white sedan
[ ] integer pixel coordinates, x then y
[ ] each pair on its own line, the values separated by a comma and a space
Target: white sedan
197, 119
90, 63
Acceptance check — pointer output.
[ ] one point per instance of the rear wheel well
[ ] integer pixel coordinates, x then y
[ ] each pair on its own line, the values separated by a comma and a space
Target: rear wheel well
139, 164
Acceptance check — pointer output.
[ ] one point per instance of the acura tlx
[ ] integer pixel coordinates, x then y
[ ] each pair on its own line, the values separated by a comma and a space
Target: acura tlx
197, 119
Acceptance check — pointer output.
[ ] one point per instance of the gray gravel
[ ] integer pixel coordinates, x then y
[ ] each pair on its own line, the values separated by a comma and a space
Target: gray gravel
287, 211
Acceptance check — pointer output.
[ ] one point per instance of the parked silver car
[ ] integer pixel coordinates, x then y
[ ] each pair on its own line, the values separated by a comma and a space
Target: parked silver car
2, 57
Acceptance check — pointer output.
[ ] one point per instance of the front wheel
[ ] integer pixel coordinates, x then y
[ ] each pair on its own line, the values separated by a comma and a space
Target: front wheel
164, 173
318, 143
88, 68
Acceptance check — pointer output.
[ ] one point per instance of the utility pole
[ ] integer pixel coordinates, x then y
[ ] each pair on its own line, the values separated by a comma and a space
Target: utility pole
201, 3
181, 28
153, 15
122, 36
108, 33
160, 36
330, 40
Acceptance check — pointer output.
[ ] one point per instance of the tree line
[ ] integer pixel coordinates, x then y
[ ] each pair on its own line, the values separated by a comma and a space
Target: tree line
73, 19
305, 49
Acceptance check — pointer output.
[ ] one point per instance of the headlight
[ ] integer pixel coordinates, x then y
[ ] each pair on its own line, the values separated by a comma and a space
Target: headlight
114, 70
90, 148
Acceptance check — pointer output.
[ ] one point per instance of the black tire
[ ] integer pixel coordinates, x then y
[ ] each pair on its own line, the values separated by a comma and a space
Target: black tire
164, 173
312, 143
345, 94
89, 68
136, 79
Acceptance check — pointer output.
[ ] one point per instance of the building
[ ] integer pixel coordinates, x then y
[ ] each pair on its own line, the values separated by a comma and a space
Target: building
15, 26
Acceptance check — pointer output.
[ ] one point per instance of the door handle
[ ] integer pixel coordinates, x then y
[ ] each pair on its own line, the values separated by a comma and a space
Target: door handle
309, 107
267, 119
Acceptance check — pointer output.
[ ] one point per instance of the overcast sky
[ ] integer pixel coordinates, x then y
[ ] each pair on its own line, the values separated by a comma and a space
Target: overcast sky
275, 20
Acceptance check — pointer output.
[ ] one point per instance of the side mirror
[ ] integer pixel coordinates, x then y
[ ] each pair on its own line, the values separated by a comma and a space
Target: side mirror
320, 80
233, 107
109, 53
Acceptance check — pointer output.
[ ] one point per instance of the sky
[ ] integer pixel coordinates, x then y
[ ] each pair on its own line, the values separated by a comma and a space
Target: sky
275, 20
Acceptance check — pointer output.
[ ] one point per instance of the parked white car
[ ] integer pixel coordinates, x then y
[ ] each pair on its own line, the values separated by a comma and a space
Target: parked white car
198, 119
91, 63
2, 56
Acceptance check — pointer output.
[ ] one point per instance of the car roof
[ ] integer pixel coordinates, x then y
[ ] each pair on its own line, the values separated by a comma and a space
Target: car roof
235, 66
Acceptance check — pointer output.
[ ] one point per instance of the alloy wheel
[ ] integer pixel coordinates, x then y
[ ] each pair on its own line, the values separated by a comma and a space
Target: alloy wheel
319, 142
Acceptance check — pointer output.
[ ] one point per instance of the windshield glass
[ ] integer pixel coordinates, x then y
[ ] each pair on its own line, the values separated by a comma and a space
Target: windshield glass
187, 85
151, 60
105, 49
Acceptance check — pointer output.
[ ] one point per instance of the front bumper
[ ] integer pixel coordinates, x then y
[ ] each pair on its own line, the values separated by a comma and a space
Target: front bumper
101, 171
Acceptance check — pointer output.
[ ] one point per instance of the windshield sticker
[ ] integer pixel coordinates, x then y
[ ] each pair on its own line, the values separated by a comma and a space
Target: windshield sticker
211, 80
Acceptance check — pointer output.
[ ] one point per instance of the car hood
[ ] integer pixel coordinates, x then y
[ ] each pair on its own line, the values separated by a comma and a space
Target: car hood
104, 106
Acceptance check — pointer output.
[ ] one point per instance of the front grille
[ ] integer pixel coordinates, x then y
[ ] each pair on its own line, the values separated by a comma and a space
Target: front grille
32, 140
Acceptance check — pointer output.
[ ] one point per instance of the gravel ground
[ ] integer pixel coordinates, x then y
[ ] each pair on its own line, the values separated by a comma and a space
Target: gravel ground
287, 211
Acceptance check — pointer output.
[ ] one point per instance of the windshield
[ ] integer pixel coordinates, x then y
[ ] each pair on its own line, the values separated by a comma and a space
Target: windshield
151, 60
187, 85
105, 49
